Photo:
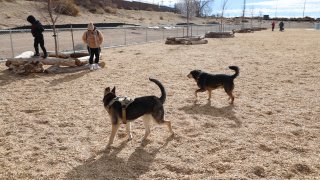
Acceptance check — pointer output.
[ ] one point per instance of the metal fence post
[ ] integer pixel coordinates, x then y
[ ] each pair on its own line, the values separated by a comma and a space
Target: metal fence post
125, 36
11, 44
177, 31
57, 31
205, 29
163, 33
146, 34
197, 30
74, 51
182, 31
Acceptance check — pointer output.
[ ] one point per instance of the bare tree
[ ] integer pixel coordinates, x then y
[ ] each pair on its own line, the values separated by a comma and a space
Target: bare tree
198, 8
252, 13
54, 19
260, 18
187, 9
192, 8
203, 7
54, 8
223, 8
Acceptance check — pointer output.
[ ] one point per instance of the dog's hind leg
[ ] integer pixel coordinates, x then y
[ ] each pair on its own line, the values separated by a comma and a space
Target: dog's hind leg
114, 130
209, 93
231, 96
128, 127
229, 88
159, 119
146, 122
168, 123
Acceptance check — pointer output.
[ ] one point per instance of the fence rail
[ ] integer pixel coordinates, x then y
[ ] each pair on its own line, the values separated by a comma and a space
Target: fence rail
15, 42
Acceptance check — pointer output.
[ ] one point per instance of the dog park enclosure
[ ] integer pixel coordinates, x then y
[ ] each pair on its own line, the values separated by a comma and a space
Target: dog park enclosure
55, 126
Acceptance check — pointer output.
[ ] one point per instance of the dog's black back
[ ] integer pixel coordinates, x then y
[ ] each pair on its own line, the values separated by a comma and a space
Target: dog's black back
139, 107
207, 80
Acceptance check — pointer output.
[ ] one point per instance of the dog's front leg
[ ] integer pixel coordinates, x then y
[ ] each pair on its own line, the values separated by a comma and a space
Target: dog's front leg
114, 130
128, 127
199, 90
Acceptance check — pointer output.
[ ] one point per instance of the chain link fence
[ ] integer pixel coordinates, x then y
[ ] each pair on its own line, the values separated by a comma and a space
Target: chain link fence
15, 42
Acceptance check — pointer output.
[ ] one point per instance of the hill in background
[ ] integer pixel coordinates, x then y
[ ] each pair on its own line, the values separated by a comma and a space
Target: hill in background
13, 13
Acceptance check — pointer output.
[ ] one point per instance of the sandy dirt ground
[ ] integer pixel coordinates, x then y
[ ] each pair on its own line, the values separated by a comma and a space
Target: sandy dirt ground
55, 126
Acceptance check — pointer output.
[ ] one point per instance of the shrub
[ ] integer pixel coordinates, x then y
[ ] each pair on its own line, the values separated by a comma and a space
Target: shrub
110, 10
67, 7
149, 9
93, 10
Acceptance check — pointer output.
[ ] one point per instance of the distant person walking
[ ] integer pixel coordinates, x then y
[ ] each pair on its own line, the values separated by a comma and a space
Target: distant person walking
281, 26
93, 38
273, 24
36, 30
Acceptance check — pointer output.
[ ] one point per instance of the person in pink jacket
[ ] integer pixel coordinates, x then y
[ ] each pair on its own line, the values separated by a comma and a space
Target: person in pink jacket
93, 38
273, 25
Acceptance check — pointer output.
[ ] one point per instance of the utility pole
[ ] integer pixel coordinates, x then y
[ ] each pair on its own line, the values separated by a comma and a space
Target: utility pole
244, 10
304, 7
275, 14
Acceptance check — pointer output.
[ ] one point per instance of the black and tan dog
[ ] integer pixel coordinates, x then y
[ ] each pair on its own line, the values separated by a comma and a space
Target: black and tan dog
209, 82
149, 107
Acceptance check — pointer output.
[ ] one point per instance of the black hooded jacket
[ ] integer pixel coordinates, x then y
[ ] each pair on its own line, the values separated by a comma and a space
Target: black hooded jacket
36, 27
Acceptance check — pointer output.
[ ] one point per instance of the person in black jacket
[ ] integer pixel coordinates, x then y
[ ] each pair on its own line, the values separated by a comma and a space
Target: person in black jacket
281, 25
36, 30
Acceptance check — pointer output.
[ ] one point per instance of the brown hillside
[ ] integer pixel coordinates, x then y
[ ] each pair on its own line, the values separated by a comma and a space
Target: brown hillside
14, 14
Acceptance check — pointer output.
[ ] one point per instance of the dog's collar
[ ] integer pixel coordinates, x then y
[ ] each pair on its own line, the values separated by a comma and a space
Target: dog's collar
199, 75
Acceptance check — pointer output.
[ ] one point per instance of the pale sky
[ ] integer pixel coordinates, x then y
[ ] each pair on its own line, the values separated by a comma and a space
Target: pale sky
279, 8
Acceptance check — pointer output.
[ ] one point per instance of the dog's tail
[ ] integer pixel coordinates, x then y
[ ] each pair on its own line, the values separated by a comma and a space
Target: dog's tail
163, 91
236, 69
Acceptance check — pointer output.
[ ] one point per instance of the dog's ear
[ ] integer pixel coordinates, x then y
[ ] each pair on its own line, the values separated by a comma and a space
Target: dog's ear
107, 89
113, 90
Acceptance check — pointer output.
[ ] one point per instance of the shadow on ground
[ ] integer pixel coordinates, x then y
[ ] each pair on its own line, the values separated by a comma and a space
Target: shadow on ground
208, 109
110, 166
68, 78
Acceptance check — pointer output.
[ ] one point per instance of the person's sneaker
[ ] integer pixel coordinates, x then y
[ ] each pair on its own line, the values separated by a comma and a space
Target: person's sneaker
91, 67
96, 66
36, 55
45, 55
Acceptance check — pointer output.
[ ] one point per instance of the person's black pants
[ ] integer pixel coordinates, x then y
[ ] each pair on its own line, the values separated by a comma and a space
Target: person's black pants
94, 52
39, 40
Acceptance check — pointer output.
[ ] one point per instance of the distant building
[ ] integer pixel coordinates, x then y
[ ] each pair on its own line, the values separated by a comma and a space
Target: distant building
266, 17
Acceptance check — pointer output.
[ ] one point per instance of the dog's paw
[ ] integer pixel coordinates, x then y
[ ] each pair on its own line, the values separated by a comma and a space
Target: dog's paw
172, 134
108, 146
145, 142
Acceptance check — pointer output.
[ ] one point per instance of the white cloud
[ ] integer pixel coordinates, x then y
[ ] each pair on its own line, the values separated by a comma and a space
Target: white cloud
161, 2
288, 6
283, 8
